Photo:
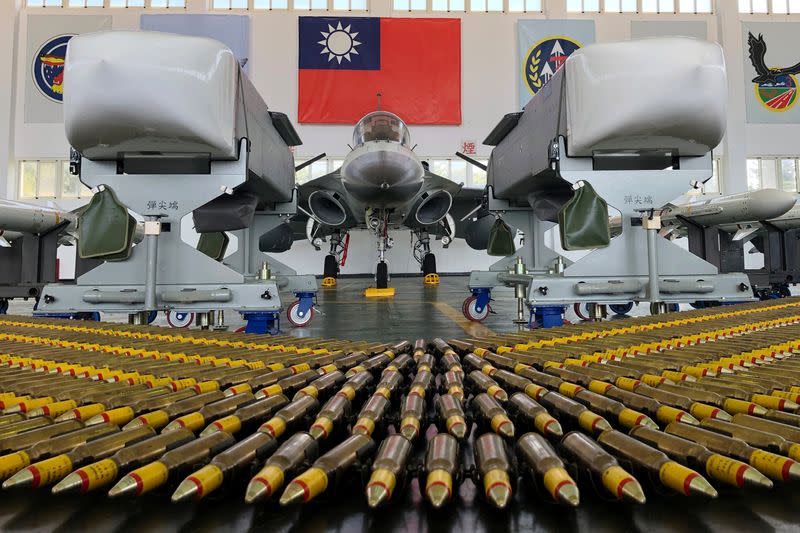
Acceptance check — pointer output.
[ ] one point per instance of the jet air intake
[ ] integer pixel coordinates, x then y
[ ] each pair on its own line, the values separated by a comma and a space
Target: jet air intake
327, 208
433, 207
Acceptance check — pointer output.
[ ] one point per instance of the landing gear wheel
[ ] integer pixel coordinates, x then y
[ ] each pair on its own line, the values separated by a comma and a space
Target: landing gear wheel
151, 317
3, 306
382, 275
293, 314
470, 310
177, 319
673, 308
429, 264
331, 269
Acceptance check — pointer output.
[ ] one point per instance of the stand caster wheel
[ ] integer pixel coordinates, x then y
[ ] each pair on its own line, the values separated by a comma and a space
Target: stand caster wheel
469, 308
621, 309
177, 319
579, 310
297, 320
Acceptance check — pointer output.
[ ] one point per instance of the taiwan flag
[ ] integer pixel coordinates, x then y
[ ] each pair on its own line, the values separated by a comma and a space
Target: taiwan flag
346, 62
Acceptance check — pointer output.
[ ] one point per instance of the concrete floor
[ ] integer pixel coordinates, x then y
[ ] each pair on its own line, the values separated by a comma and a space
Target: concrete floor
416, 311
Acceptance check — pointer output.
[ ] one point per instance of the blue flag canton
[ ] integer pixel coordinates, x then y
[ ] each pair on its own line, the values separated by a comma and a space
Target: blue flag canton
340, 43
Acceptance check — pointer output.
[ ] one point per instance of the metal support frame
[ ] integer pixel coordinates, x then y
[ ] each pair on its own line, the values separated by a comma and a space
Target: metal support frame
165, 273
633, 268
780, 248
29, 264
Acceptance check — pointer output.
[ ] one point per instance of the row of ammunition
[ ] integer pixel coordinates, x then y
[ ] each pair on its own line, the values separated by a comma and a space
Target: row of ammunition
687, 401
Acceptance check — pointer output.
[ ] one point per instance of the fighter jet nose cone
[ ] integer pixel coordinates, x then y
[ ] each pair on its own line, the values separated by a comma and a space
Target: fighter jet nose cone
770, 203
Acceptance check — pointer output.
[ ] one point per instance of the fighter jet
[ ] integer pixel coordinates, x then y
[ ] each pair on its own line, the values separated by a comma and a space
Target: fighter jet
383, 185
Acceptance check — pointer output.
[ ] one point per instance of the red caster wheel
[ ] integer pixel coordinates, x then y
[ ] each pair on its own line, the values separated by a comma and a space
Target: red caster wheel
297, 320
470, 310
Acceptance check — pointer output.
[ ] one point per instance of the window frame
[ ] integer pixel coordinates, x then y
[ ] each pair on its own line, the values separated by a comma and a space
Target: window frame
467, 8
640, 9
770, 9
65, 4
62, 169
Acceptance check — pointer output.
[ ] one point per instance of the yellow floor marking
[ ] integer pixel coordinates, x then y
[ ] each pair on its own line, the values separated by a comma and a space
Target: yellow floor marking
476, 329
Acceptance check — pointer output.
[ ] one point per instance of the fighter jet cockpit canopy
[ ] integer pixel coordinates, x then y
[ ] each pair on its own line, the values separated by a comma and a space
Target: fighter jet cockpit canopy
381, 126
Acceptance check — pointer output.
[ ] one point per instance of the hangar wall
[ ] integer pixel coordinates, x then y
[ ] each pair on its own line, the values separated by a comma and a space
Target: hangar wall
489, 90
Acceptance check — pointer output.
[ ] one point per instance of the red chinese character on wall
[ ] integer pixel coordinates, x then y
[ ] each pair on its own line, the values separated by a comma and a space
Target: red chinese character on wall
469, 147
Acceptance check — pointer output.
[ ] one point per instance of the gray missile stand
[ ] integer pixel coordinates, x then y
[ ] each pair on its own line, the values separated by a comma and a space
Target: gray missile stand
780, 248
637, 266
163, 273
28, 265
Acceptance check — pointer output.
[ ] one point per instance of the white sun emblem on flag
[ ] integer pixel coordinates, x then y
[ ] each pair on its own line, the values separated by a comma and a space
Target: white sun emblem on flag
339, 42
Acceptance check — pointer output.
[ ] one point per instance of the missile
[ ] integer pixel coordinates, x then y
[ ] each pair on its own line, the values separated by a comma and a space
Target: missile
29, 218
746, 207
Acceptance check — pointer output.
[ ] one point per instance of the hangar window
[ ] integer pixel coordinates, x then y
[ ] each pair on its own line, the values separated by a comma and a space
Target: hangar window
448, 5
459, 171
713, 185
583, 6
229, 4
311, 5
167, 3
658, 6
786, 7
620, 6
773, 172
789, 171
125, 3
267, 5
410, 5
85, 3
315, 170
753, 6
49, 178
695, 6
755, 174
350, 5
45, 3
525, 6
486, 6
